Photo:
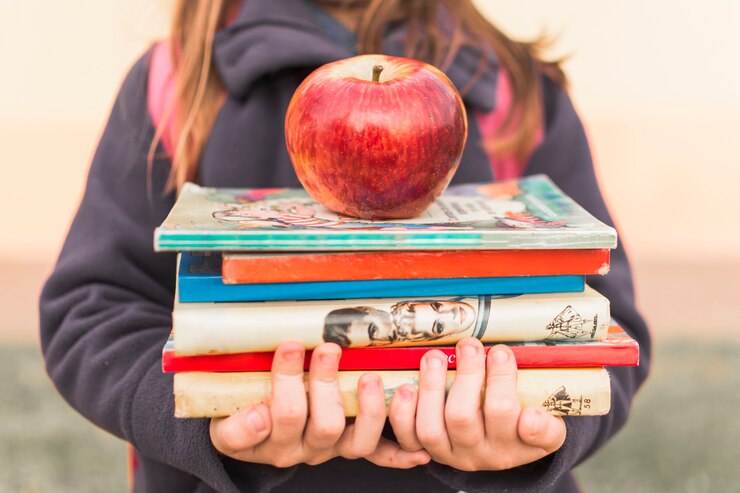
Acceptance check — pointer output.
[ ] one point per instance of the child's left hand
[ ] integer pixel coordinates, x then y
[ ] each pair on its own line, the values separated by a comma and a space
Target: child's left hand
458, 432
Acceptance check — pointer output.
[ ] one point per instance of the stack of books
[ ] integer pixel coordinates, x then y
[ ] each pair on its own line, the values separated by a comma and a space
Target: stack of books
503, 262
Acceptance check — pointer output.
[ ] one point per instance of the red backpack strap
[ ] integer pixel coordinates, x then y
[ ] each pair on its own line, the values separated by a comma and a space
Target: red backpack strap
489, 123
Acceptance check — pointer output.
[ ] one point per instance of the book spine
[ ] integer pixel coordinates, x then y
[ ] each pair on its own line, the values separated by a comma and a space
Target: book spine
562, 392
217, 328
255, 269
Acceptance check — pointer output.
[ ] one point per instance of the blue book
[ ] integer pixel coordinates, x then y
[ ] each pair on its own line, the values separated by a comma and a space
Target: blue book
199, 280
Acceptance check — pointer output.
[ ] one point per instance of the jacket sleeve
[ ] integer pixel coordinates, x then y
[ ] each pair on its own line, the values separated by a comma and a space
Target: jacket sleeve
105, 311
564, 156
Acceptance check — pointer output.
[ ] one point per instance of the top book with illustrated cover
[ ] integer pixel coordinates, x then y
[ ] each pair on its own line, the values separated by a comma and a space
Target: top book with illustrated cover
529, 213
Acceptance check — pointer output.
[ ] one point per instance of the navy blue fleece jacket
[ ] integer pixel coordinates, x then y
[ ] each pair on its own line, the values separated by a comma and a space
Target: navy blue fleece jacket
105, 310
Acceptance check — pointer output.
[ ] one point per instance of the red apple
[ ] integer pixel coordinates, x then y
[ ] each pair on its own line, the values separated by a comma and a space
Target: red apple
375, 136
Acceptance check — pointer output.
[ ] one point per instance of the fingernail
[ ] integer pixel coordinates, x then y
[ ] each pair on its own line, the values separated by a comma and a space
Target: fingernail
434, 363
292, 355
372, 385
405, 395
422, 458
536, 422
256, 421
329, 359
469, 350
500, 356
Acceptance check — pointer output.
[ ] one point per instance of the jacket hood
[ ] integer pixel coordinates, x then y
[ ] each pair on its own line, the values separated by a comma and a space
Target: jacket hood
269, 36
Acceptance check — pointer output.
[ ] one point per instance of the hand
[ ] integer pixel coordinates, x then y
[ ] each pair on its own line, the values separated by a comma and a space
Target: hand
294, 429
457, 432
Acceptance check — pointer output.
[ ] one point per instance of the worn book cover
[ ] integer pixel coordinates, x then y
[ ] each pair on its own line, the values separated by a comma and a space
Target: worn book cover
562, 392
529, 213
616, 349
206, 328
280, 267
199, 280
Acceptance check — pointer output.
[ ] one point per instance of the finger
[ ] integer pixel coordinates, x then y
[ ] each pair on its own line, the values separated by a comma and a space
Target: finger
542, 431
430, 422
326, 415
242, 431
288, 404
501, 407
390, 454
402, 416
463, 414
362, 437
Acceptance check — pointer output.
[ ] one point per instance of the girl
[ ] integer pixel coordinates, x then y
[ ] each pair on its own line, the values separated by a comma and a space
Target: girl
208, 106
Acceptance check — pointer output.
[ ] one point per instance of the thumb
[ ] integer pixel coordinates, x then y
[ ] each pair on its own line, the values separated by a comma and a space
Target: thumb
390, 454
241, 431
539, 429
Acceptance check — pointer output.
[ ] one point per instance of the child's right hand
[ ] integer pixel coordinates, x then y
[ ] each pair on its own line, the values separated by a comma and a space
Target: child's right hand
295, 430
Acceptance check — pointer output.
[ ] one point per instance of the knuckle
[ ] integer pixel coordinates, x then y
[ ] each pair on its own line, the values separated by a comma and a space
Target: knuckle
467, 465
374, 412
290, 415
429, 437
499, 372
502, 463
409, 445
459, 417
350, 454
432, 384
315, 461
284, 460
362, 449
502, 408
327, 430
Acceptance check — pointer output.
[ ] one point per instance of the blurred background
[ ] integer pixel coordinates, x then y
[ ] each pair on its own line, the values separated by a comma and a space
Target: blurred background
656, 84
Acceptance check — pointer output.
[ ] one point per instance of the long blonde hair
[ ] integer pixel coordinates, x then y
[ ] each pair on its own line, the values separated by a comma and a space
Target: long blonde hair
199, 91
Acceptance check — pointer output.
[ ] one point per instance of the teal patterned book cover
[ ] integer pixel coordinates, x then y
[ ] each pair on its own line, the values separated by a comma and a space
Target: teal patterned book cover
529, 213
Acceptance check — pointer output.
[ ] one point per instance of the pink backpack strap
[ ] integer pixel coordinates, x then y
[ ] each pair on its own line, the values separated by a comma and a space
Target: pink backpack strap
488, 123
160, 91
161, 84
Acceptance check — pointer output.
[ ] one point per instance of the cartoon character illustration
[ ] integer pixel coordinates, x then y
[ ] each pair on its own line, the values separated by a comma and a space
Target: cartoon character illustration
571, 325
284, 213
278, 208
301, 213
560, 403
423, 320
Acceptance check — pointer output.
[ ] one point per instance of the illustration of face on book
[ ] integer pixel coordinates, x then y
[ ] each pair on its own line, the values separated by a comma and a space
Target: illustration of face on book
415, 321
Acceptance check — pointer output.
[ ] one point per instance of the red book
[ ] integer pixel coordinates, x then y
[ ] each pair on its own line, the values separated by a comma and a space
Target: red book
617, 349
356, 266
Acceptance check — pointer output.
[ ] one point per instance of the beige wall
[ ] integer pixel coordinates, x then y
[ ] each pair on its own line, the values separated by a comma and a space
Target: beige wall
653, 80
657, 86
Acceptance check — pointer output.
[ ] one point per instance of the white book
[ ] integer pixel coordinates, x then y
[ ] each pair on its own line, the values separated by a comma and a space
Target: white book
562, 392
216, 328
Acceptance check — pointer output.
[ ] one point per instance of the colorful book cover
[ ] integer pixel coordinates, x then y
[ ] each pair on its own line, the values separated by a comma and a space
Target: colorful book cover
530, 213
272, 267
207, 328
616, 349
560, 391
200, 280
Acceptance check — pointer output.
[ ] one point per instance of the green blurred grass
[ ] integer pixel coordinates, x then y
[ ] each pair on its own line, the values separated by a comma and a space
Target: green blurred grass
684, 434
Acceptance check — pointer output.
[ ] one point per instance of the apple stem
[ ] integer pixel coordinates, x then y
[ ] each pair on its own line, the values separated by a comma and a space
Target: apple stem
376, 72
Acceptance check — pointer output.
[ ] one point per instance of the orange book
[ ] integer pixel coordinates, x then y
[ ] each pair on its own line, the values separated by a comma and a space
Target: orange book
356, 266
